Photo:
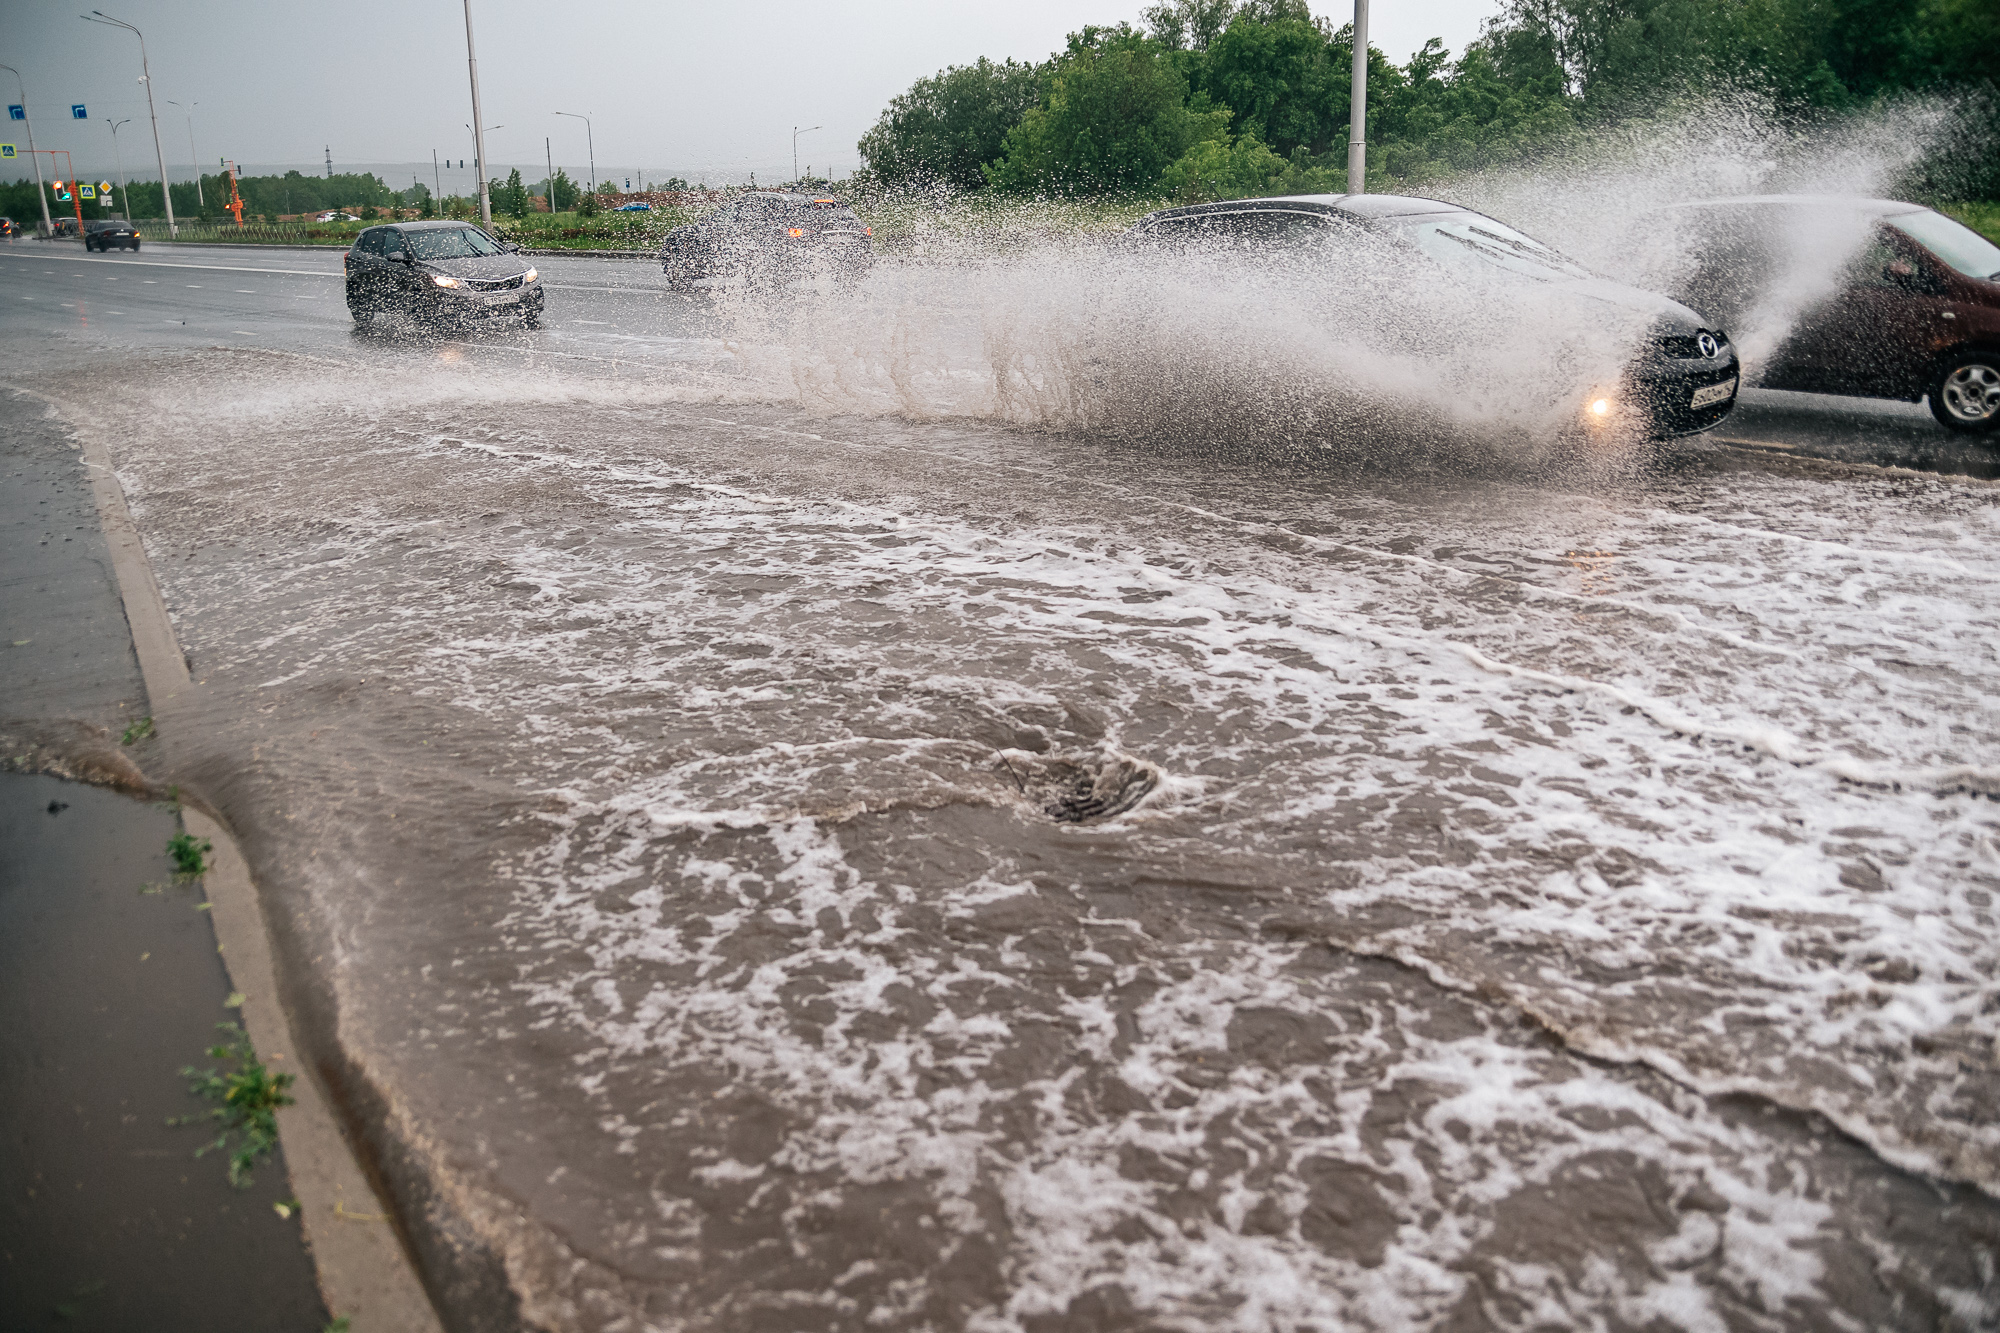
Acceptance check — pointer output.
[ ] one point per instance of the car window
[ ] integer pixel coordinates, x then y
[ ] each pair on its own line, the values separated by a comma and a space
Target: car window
1952, 241
1256, 229
1476, 242
451, 243
392, 242
370, 242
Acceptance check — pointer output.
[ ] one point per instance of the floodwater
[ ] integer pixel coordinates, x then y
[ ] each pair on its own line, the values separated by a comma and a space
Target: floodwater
755, 865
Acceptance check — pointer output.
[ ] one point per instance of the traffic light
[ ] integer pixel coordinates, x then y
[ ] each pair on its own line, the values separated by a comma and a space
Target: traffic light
62, 192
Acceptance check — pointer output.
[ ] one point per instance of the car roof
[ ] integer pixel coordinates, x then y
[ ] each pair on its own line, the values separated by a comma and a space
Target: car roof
436, 224
1861, 204
1358, 205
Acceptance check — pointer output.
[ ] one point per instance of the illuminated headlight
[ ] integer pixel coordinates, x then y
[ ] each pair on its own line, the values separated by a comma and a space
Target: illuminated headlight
445, 280
530, 276
1600, 407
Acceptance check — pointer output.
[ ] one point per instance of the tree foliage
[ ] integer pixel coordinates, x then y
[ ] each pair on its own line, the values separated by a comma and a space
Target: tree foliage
946, 127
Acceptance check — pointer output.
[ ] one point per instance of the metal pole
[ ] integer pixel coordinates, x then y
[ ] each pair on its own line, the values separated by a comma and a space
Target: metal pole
437, 179
1357, 116
41, 191
590, 138
796, 132
146, 77
478, 125
549, 184
119, 158
194, 157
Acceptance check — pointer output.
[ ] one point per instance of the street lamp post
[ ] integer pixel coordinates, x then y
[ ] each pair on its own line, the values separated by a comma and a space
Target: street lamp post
193, 156
478, 125
41, 191
589, 137
1357, 107
146, 77
120, 159
796, 132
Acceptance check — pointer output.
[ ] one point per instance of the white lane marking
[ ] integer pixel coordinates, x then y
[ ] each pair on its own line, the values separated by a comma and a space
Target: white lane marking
245, 332
244, 291
211, 268
194, 286
605, 322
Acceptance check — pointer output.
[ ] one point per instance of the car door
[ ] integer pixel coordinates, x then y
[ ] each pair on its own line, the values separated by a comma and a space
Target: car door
400, 277
365, 262
1873, 337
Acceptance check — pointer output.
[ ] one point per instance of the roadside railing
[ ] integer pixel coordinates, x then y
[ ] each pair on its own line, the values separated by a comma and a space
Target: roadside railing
250, 233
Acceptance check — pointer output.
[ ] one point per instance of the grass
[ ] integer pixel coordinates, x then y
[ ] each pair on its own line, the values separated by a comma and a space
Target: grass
246, 1100
1983, 218
137, 732
189, 854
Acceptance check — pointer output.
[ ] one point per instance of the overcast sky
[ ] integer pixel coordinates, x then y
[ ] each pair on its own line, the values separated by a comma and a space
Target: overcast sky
696, 89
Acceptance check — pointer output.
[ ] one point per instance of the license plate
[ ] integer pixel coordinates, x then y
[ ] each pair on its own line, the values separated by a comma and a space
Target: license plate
502, 298
1714, 393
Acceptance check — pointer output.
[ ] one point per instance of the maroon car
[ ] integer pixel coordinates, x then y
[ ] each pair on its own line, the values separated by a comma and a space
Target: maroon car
1875, 298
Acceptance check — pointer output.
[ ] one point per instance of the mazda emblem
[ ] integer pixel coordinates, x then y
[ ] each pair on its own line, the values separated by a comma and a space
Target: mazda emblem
1708, 345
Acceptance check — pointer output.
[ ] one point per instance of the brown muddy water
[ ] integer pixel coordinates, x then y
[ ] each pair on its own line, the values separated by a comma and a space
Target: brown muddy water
755, 869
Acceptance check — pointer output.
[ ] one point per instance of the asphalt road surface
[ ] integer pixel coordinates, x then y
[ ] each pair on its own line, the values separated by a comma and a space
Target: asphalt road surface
612, 315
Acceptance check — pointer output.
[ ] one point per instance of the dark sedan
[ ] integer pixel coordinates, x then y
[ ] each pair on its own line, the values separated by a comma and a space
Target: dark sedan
1682, 381
445, 274
768, 237
110, 233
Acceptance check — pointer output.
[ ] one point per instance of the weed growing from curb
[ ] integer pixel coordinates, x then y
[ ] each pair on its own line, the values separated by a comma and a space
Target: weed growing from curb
247, 1100
138, 731
189, 853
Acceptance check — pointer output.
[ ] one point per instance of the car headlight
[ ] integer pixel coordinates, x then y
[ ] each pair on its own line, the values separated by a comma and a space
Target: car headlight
445, 280
530, 276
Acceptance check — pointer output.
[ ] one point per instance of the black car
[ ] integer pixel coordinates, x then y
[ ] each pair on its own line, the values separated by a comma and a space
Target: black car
448, 274
8, 229
104, 233
1683, 382
768, 236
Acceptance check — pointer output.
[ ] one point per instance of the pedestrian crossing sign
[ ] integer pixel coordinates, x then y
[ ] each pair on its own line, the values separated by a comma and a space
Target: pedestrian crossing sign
87, 191
6, 150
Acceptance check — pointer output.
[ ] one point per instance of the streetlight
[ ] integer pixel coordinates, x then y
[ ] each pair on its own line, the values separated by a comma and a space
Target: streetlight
796, 132
589, 137
1357, 107
120, 159
193, 156
477, 126
41, 192
146, 77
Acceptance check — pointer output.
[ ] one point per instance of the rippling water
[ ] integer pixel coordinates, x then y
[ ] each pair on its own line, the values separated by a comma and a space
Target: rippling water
779, 870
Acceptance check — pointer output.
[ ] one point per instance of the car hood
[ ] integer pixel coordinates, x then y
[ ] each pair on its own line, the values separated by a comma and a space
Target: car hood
478, 266
1669, 314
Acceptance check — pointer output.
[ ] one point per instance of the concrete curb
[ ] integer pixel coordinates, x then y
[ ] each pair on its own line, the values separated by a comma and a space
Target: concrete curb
364, 1272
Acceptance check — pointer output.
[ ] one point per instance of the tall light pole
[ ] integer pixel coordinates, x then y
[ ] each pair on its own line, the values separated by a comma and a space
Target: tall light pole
1357, 113
796, 132
589, 137
41, 191
120, 159
146, 77
478, 125
193, 156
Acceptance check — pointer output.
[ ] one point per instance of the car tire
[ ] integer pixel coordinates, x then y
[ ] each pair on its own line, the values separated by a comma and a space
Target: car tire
362, 315
1965, 396
135, 247
533, 319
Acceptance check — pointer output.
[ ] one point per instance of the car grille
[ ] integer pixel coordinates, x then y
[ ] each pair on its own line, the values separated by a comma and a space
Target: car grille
1687, 346
496, 285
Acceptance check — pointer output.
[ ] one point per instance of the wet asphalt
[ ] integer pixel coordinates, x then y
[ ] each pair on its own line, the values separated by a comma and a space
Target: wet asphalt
612, 316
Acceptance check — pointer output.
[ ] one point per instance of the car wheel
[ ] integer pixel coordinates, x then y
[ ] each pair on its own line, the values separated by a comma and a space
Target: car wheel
533, 319
362, 315
1966, 394
135, 247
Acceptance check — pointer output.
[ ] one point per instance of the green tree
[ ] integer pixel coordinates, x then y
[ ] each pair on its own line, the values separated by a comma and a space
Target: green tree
950, 125
1117, 114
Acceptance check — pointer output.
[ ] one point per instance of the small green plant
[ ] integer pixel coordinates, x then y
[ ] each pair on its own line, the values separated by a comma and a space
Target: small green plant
247, 1099
340, 1325
137, 732
189, 854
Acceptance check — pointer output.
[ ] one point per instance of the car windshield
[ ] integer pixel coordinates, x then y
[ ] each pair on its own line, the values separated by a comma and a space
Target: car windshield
1955, 243
1472, 240
450, 243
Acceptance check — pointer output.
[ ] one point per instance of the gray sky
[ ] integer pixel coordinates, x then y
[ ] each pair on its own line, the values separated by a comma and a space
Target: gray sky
698, 89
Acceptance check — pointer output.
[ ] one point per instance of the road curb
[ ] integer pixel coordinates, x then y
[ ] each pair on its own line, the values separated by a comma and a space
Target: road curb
364, 1271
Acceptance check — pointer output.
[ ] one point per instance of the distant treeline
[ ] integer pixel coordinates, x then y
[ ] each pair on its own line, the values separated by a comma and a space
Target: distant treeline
272, 196
1221, 98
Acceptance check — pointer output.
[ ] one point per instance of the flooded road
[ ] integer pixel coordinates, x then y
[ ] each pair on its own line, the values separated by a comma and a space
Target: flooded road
753, 866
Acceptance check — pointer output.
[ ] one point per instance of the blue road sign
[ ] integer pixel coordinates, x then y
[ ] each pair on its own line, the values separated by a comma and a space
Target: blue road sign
6, 150
17, 112
77, 111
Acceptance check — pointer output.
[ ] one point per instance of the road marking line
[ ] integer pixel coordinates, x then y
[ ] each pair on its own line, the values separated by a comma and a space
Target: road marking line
244, 291
211, 268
